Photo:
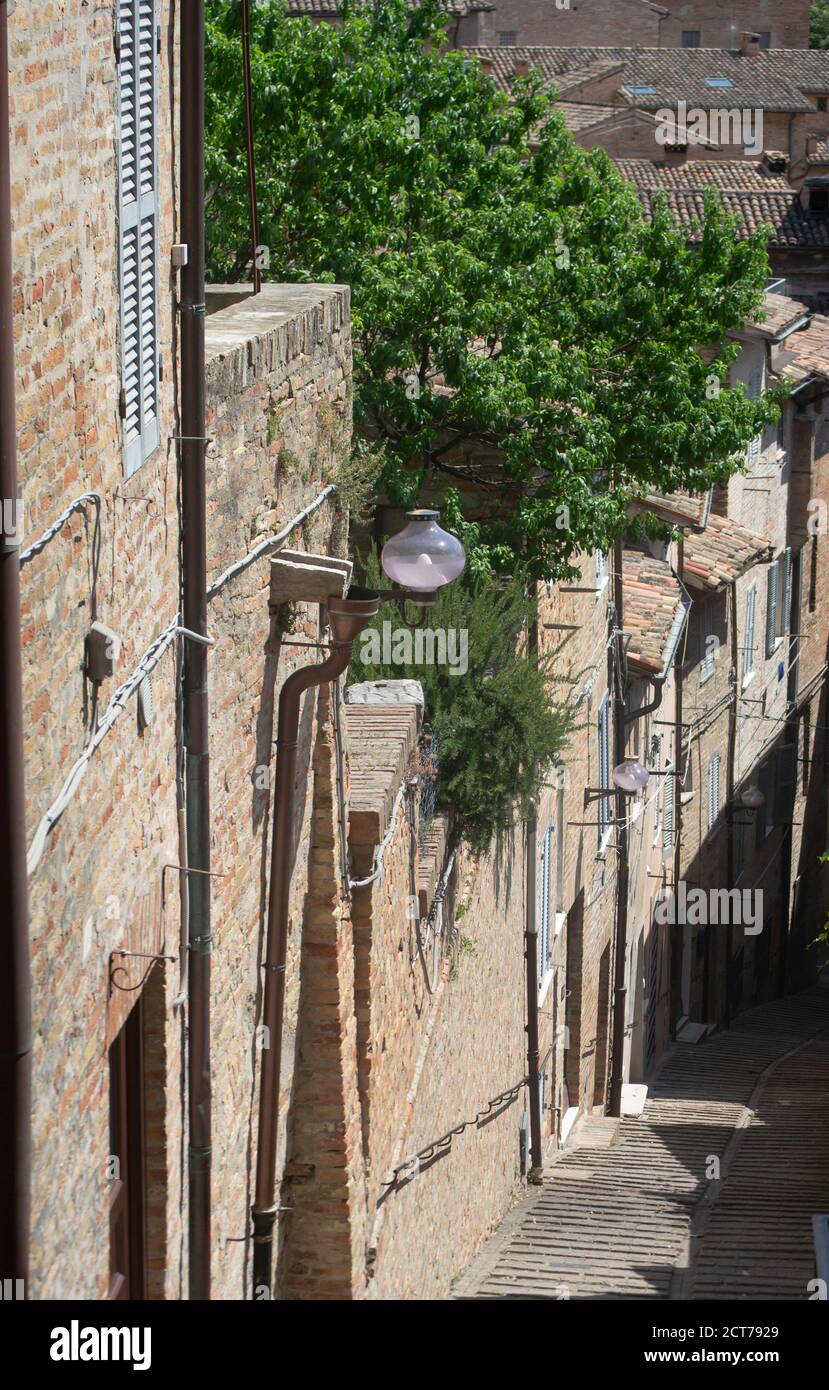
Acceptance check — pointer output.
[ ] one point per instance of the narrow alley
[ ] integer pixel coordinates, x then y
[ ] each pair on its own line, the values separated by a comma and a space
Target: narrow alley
639, 1213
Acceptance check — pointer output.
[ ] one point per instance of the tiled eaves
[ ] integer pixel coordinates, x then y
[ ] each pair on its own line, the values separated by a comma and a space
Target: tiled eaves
791, 227
721, 553
653, 599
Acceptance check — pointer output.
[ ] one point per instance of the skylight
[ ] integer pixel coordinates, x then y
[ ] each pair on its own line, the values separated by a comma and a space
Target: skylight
718, 82
641, 91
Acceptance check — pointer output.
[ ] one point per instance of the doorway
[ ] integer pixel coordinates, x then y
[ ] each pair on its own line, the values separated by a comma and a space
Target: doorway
127, 1149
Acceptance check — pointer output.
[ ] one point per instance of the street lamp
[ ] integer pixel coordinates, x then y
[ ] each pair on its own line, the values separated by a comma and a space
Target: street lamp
420, 559
630, 777
752, 798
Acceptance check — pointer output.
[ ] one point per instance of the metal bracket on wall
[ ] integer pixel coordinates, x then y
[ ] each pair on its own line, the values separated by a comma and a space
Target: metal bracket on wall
122, 969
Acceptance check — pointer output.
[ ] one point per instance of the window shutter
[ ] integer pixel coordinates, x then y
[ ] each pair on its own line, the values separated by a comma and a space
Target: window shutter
771, 610
707, 631
787, 589
601, 568
748, 646
713, 790
137, 228
604, 764
544, 900
784, 784
755, 387
668, 812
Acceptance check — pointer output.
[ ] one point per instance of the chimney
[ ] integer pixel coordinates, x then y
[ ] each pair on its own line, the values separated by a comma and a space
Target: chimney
775, 161
521, 68
487, 66
749, 45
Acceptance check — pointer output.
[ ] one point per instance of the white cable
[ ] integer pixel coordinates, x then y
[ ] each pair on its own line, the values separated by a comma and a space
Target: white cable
377, 865
79, 502
148, 662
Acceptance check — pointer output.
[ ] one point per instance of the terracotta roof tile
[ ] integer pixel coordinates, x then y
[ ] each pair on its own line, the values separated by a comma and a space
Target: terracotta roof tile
791, 226
773, 80
721, 553
727, 175
778, 316
653, 606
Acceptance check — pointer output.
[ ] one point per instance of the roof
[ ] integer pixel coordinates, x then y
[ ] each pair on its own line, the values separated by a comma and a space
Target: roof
654, 606
728, 175
683, 508
779, 316
792, 226
772, 80
721, 553
811, 351
580, 116
820, 154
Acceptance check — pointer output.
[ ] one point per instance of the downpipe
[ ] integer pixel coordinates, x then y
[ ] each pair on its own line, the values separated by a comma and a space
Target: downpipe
347, 618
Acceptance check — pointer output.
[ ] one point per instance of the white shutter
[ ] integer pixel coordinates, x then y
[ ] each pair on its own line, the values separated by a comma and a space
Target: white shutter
544, 901
787, 589
668, 812
604, 764
137, 228
755, 387
713, 790
771, 610
748, 644
706, 631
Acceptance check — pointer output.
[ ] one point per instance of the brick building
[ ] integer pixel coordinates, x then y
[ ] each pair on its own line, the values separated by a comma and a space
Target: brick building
676, 24
652, 102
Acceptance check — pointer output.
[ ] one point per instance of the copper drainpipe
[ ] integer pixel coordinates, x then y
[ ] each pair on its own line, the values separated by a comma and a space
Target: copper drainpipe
193, 446
347, 618
15, 973
536, 1154
617, 1053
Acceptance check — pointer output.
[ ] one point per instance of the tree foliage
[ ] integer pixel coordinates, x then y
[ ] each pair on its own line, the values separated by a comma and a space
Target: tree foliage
499, 725
513, 309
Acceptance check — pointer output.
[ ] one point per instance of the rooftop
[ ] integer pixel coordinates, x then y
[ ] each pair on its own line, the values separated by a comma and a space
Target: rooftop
791, 226
727, 175
773, 80
654, 607
721, 553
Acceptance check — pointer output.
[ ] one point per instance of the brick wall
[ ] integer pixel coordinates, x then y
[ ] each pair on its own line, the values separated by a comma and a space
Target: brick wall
563, 23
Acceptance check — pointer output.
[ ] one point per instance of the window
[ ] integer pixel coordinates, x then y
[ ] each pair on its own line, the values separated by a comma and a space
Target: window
603, 730
640, 90
601, 570
748, 641
818, 199
668, 813
657, 805
690, 38
507, 38
543, 927
558, 896
713, 790
137, 232
821, 103
718, 83
755, 388
765, 38
778, 600
708, 643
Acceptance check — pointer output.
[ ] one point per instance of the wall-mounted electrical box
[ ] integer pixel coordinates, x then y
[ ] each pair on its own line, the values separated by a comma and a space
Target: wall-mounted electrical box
102, 650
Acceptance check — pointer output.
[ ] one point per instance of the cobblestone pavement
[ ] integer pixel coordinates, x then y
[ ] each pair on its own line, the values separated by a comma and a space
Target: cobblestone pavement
641, 1219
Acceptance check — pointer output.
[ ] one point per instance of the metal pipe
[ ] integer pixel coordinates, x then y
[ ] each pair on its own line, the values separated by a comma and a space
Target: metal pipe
15, 975
531, 957
347, 616
617, 1053
731, 778
251, 157
677, 940
194, 616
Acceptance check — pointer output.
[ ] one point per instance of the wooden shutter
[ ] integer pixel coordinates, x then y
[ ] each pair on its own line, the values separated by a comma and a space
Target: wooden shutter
544, 900
668, 812
748, 645
771, 609
707, 654
787, 589
137, 206
754, 390
713, 790
604, 764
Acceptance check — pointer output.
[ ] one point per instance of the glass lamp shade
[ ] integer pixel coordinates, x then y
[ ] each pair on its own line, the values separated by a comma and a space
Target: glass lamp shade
752, 798
630, 776
422, 557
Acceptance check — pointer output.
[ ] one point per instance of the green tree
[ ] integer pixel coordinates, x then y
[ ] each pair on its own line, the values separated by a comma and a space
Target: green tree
519, 325
498, 717
819, 24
